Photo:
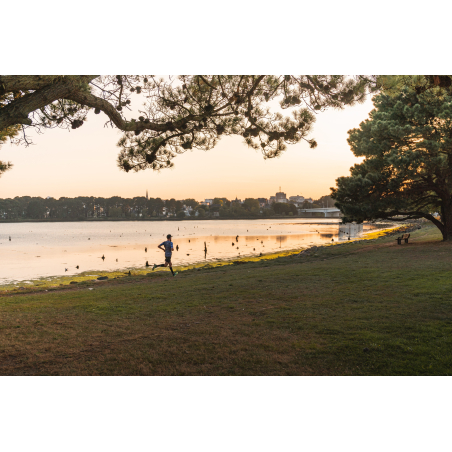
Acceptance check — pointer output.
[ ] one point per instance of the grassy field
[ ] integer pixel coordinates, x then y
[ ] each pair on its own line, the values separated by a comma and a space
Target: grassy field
367, 308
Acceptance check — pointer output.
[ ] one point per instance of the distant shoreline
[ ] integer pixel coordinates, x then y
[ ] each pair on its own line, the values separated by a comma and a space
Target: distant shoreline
64, 220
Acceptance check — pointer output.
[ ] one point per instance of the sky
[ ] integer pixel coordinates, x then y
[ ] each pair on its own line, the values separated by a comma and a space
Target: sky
82, 162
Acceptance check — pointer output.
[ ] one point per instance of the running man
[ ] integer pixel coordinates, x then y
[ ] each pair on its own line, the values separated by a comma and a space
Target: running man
168, 248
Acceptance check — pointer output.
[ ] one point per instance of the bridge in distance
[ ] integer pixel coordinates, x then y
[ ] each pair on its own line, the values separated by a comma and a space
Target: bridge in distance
327, 212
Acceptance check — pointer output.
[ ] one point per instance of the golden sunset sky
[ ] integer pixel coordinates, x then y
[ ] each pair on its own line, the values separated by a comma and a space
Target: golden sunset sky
82, 162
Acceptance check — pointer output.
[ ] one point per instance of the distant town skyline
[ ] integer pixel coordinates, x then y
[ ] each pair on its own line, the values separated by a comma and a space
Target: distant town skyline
204, 198
83, 163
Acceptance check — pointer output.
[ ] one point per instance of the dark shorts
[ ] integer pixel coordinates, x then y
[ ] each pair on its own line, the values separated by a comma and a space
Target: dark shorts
168, 259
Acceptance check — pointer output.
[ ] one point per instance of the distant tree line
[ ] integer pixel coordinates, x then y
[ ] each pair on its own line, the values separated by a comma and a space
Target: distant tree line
86, 207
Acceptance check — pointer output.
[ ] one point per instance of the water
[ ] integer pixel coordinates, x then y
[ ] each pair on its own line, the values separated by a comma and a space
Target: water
47, 249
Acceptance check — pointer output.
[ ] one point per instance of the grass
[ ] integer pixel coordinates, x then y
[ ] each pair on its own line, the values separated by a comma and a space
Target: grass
361, 308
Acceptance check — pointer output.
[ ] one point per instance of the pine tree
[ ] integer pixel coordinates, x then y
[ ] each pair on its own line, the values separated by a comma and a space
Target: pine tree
407, 170
8, 132
392, 85
180, 113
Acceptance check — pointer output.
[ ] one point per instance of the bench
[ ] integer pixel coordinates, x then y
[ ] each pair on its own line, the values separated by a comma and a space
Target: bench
403, 237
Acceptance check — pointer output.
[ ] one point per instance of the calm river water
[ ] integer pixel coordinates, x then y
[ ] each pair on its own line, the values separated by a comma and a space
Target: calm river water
47, 249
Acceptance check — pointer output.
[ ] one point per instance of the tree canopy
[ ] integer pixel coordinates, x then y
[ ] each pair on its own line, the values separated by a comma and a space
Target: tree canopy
392, 85
5, 133
407, 169
179, 113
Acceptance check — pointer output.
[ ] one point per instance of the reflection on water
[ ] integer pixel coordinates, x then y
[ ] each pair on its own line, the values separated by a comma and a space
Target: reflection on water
50, 249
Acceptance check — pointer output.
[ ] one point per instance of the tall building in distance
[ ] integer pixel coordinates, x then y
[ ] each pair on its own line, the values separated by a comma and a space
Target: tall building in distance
280, 196
147, 195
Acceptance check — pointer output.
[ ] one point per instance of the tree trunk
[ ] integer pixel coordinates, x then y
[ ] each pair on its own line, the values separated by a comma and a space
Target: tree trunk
446, 216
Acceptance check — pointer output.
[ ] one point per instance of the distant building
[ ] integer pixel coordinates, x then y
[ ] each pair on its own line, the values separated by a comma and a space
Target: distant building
262, 202
204, 203
147, 197
309, 200
272, 199
296, 199
281, 197
209, 202
236, 201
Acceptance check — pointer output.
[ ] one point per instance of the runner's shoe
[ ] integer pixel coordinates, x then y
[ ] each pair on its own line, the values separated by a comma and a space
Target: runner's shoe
175, 273
154, 267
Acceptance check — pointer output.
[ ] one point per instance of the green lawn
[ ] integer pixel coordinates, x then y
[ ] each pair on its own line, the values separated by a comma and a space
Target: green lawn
368, 308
